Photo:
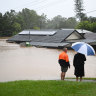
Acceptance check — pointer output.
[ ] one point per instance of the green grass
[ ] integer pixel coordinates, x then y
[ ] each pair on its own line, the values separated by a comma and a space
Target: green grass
47, 88
83, 78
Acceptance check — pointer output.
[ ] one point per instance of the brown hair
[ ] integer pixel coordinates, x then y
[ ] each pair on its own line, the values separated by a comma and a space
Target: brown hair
64, 49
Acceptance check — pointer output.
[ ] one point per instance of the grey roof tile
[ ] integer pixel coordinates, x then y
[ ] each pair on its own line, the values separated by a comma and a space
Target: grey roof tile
48, 44
56, 38
90, 36
81, 40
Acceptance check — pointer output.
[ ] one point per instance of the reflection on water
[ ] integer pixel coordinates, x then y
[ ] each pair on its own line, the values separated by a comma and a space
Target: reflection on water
31, 63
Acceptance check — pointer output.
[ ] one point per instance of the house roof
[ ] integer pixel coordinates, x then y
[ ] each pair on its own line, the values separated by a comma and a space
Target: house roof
38, 32
81, 40
83, 31
80, 30
23, 38
49, 44
58, 37
90, 36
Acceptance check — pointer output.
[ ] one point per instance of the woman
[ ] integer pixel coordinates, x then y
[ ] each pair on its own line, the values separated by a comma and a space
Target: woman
78, 64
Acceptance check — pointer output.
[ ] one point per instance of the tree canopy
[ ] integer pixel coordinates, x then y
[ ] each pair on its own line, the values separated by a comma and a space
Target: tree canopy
13, 22
88, 24
79, 9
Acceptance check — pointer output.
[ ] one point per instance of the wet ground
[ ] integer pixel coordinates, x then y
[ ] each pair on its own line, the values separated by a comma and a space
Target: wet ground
31, 63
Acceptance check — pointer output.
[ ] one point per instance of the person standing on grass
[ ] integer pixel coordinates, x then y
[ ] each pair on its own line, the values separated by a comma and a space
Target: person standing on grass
64, 63
78, 64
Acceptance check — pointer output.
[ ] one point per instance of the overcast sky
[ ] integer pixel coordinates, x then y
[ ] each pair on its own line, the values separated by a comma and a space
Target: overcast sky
51, 8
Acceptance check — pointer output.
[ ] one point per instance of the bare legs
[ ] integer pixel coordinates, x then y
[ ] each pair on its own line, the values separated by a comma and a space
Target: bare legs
63, 75
80, 78
77, 79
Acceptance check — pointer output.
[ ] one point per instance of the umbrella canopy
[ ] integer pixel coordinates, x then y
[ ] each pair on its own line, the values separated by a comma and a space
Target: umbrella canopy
83, 48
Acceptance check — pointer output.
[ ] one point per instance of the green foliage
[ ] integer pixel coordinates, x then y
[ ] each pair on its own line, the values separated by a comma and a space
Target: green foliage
93, 27
9, 26
47, 88
42, 21
36, 28
59, 22
87, 25
29, 17
11, 22
16, 28
91, 19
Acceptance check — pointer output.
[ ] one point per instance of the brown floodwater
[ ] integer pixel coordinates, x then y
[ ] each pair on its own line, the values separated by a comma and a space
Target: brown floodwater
31, 63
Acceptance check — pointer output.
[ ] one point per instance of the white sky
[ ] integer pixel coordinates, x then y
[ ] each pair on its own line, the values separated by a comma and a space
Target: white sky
51, 8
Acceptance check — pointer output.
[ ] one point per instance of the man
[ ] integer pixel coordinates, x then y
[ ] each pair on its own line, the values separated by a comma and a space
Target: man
64, 63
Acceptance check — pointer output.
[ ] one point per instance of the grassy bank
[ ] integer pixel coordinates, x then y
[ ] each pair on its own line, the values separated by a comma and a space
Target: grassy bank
83, 78
47, 88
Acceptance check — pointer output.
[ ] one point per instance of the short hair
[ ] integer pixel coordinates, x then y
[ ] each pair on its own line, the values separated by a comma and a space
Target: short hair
64, 49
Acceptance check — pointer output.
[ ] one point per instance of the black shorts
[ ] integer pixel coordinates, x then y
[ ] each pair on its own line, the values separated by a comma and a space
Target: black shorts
64, 66
64, 69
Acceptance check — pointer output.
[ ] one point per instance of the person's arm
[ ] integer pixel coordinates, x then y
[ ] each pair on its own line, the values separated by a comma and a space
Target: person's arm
69, 64
67, 61
85, 58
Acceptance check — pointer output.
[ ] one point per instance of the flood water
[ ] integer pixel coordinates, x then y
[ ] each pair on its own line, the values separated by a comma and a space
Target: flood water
31, 63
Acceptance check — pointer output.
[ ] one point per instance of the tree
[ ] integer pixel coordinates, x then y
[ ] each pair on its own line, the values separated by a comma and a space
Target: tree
59, 22
29, 17
42, 20
91, 19
9, 25
71, 22
87, 25
79, 9
8, 20
55, 23
16, 27
84, 25
1, 21
13, 22
1, 24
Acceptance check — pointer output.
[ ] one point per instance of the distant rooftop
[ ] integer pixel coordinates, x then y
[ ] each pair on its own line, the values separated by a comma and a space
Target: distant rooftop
45, 36
79, 30
52, 38
37, 32
90, 36
83, 31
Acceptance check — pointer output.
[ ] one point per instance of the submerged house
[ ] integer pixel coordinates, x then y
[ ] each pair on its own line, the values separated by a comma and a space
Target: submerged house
50, 38
91, 36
